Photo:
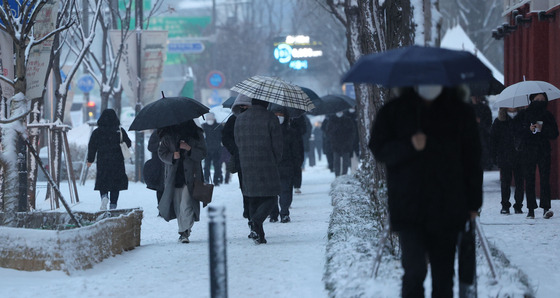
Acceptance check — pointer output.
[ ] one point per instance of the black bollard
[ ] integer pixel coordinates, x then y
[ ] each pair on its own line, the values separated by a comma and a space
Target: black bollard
217, 246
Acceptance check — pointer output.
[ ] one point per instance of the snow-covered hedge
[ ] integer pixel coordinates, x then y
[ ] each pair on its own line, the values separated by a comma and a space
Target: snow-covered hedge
353, 236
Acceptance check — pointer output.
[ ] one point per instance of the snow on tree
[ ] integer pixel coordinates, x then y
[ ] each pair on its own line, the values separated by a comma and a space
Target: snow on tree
31, 27
371, 27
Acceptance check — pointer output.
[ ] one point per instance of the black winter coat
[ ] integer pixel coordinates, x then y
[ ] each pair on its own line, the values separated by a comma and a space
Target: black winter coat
105, 145
341, 134
213, 136
538, 143
433, 189
292, 152
505, 147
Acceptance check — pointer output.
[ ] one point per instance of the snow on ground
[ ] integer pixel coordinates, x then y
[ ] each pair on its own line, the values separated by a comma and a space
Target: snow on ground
292, 264
530, 244
289, 265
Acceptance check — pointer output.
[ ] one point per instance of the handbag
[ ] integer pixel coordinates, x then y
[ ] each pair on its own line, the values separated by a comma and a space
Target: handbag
124, 148
203, 191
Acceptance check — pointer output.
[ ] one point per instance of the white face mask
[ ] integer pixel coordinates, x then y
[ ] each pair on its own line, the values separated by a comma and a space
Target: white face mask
210, 122
281, 119
339, 114
429, 92
512, 114
351, 110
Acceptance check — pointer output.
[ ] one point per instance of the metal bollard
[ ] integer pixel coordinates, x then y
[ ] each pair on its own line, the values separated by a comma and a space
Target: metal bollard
217, 246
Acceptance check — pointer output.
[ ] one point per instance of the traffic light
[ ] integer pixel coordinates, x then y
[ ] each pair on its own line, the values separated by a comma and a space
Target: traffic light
91, 110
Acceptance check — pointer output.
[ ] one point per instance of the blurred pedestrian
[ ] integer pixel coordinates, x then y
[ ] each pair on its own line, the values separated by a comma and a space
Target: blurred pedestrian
182, 150
292, 158
317, 136
341, 133
484, 120
538, 127
213, 137
327, 149
428, 139
104, 144
355, 156
299, 125
240, 105
508, 157
258, 136
154, 168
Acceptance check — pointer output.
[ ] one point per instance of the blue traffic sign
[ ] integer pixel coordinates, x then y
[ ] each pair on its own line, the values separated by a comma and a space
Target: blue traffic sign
186, 47
86, 83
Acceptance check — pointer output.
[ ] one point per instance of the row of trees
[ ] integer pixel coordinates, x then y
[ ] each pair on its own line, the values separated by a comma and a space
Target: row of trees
67, 34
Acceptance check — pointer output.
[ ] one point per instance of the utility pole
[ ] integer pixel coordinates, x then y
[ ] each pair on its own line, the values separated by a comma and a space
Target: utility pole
139, 145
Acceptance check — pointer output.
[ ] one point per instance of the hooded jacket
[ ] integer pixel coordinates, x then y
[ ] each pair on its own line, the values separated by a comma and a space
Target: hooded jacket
104, 144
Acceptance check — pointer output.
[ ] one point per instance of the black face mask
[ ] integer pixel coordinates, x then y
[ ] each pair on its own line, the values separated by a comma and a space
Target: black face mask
539, 105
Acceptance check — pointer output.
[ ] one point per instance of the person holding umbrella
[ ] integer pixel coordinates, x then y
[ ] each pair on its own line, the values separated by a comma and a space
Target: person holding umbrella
428, 139
258, 136
111, 177
241, 104
537, 128
508, 157
182, 149
292, 158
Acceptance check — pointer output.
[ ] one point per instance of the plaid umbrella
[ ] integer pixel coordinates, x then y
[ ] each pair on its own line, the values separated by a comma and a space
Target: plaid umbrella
274, 91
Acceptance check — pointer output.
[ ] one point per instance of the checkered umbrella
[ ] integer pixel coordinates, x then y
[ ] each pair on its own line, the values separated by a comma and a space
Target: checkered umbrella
275, 91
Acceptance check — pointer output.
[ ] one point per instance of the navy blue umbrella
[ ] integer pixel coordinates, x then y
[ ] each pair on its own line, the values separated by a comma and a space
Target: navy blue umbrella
333, 103
229, 102
417, 65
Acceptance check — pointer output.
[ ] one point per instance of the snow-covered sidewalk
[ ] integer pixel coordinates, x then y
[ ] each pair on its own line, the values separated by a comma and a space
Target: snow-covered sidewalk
290, 265
530, 244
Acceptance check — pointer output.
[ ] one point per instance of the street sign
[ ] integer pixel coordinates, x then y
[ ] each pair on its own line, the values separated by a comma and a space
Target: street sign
86, 83
215, 79
186, 47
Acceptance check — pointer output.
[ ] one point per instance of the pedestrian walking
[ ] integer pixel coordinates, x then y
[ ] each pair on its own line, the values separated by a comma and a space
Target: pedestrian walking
104, 145
300, 126
154, 168
317, 139
327, 149
182, 149
258, 136
292, 158
355, 155
508, 157
484, 120
538, 127
428, 139
240, 105
341, 133
213, 137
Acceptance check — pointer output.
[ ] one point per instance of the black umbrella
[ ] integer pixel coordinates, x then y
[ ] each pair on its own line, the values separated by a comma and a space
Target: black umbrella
168, 111
333, 103
417, 65
312, 95
229, 102
491, 87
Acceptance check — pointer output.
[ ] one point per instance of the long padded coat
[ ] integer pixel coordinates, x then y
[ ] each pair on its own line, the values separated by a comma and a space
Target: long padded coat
104, 144
259, 140
191, 166
433, 189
